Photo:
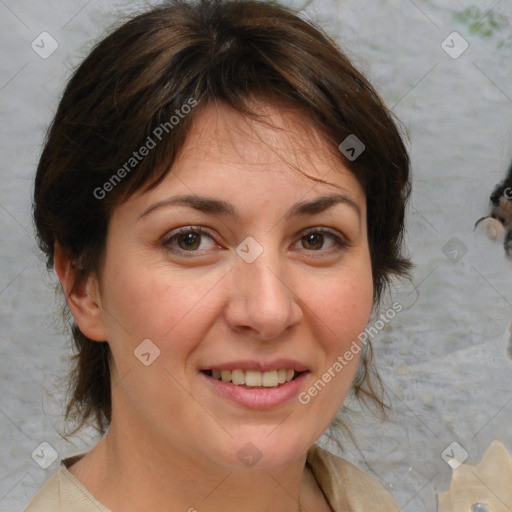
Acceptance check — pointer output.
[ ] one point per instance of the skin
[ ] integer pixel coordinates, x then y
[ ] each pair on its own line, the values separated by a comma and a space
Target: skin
173, 442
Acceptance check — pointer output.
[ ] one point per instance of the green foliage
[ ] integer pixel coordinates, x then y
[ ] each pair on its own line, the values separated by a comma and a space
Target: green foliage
481, 23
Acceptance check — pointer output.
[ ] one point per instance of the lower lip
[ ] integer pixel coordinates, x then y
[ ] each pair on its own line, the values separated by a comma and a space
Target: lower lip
257, 398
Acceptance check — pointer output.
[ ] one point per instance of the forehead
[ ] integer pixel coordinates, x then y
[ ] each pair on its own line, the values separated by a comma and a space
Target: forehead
282, 143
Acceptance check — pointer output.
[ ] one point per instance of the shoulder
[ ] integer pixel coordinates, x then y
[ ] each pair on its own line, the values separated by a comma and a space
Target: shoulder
346, 486
62, 492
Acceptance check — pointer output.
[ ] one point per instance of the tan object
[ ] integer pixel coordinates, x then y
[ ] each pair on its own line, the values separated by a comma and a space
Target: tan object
486, 487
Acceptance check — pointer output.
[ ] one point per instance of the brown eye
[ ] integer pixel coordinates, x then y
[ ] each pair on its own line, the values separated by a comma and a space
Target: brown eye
322, 240
313, 241
189, 241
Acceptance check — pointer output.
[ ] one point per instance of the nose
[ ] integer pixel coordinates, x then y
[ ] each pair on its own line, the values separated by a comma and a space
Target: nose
262, 300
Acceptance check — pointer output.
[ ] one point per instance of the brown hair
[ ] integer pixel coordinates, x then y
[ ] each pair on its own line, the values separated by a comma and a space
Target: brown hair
203, 51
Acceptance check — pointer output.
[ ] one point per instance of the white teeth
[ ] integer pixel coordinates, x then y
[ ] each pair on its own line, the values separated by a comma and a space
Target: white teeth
269, 379
237, 377
253, 378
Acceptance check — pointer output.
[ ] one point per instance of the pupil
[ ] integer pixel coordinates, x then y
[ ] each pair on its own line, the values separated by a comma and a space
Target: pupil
190, 241
314, 240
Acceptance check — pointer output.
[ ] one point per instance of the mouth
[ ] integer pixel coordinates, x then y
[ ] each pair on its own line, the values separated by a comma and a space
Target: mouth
257, 385
254, 378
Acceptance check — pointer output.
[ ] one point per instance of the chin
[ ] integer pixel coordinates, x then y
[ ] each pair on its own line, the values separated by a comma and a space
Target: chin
263, 449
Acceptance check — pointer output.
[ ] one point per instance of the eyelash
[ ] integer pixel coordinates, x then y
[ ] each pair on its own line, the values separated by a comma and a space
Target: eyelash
167, 242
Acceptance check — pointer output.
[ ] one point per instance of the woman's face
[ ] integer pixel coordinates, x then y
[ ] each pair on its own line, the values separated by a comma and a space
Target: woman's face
238, 265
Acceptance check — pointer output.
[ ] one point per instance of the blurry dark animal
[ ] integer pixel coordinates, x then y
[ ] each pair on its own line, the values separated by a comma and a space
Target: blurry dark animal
501, 210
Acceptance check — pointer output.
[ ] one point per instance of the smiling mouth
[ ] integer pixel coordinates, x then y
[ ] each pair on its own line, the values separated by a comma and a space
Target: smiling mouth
253, 378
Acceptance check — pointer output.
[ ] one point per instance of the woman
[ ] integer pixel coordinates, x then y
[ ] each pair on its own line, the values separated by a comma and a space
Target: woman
222, 197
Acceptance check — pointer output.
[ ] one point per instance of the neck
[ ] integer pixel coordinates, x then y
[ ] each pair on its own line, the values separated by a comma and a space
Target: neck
130, 473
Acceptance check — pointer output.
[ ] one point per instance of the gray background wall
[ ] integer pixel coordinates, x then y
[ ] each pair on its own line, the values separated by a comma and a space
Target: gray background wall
443, 359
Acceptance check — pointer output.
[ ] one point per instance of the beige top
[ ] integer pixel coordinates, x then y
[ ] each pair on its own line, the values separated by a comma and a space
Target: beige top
346, 487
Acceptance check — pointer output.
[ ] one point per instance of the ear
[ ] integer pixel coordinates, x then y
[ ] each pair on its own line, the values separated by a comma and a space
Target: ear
83, 297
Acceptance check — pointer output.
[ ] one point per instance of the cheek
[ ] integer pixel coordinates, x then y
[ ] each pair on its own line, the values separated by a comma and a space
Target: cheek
165, 306
341, 310
343, 305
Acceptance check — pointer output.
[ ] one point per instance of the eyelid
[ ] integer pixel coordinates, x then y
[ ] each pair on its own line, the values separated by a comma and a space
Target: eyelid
184, 230
329, 231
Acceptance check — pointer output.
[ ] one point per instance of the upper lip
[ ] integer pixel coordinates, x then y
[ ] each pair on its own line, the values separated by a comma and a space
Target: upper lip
261, 366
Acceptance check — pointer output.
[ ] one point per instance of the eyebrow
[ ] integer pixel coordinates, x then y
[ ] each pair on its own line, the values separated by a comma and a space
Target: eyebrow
219, 207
